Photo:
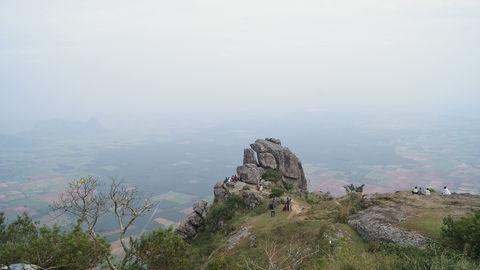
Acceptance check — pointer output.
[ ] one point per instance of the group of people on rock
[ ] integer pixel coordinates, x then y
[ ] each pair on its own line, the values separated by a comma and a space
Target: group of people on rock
428, 191
232, 179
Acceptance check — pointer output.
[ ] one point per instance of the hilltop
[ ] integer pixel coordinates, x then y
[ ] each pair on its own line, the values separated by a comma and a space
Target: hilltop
355, 231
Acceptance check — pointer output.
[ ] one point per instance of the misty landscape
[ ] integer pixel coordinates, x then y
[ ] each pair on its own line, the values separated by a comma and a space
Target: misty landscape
166, 96
179, 162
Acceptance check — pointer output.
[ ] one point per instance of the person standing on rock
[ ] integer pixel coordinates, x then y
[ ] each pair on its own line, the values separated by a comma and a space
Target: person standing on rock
427, 192
446, 191
415, 191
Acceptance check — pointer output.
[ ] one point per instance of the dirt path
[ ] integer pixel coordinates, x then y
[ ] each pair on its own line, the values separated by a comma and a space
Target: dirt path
296, 209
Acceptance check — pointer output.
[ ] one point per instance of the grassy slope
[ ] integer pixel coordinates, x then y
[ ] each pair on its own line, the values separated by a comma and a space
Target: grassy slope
313, 223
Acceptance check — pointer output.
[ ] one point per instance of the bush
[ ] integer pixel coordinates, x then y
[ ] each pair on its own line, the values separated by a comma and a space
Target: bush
234, 201
24, 241
352, 188
350, 204
433, 257
463, 234
288, 186
161, 249
276, 192
272, 175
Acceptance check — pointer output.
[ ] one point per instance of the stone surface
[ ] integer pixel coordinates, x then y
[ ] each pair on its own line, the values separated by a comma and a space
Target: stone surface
249, 157
22, 266
220, 192
378, 224
250, 173
251, 199
273, 140
253, 241
285, 161
267, 161
189, 227
236, 237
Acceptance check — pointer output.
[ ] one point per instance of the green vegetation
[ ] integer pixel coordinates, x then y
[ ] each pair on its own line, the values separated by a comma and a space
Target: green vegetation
161, 249
24, 241
221, 212
277, 192
272, 175
463, 234
349, 205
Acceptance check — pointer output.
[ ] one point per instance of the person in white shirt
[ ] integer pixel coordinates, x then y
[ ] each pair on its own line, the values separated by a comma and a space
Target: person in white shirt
446, 191
427, 192
415, 191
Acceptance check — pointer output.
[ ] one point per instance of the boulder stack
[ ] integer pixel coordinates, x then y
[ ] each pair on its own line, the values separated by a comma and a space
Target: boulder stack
267, 154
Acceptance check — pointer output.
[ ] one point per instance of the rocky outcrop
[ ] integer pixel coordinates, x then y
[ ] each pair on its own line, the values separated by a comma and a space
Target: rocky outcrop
220, 191
378, 224
238, 236
249, 157
189, 227
272, 155
251, 199
267, 161
250, 173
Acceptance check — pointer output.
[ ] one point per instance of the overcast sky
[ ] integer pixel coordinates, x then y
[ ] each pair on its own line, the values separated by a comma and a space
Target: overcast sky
96, 57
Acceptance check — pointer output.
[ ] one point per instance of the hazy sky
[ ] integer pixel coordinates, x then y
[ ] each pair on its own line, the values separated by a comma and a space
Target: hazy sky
95, 57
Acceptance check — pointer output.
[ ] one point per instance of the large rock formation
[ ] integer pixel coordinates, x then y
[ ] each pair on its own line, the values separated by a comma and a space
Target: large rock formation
249, 157
250, 173
189, 227
272, 155
379, 224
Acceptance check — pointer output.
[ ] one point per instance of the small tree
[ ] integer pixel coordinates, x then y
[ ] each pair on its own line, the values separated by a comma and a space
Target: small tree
88, 203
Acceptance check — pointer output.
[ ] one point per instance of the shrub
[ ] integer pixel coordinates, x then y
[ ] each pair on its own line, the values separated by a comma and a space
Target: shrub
234, 201
288, 186
349, 205
463, 234
433, 257
24, 241
276, 192
161, 249
272, 175
352, 188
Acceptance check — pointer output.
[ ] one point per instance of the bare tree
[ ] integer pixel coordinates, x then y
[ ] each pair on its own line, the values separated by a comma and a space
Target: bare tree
128, 206
84, 199
287, 257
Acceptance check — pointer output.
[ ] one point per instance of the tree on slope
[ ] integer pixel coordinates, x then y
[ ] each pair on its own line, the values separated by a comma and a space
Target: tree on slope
85, 200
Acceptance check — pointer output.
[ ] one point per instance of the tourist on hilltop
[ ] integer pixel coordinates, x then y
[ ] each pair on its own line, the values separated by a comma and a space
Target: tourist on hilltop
446, 191
420, 192
427, 192
415, 191
226, 180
